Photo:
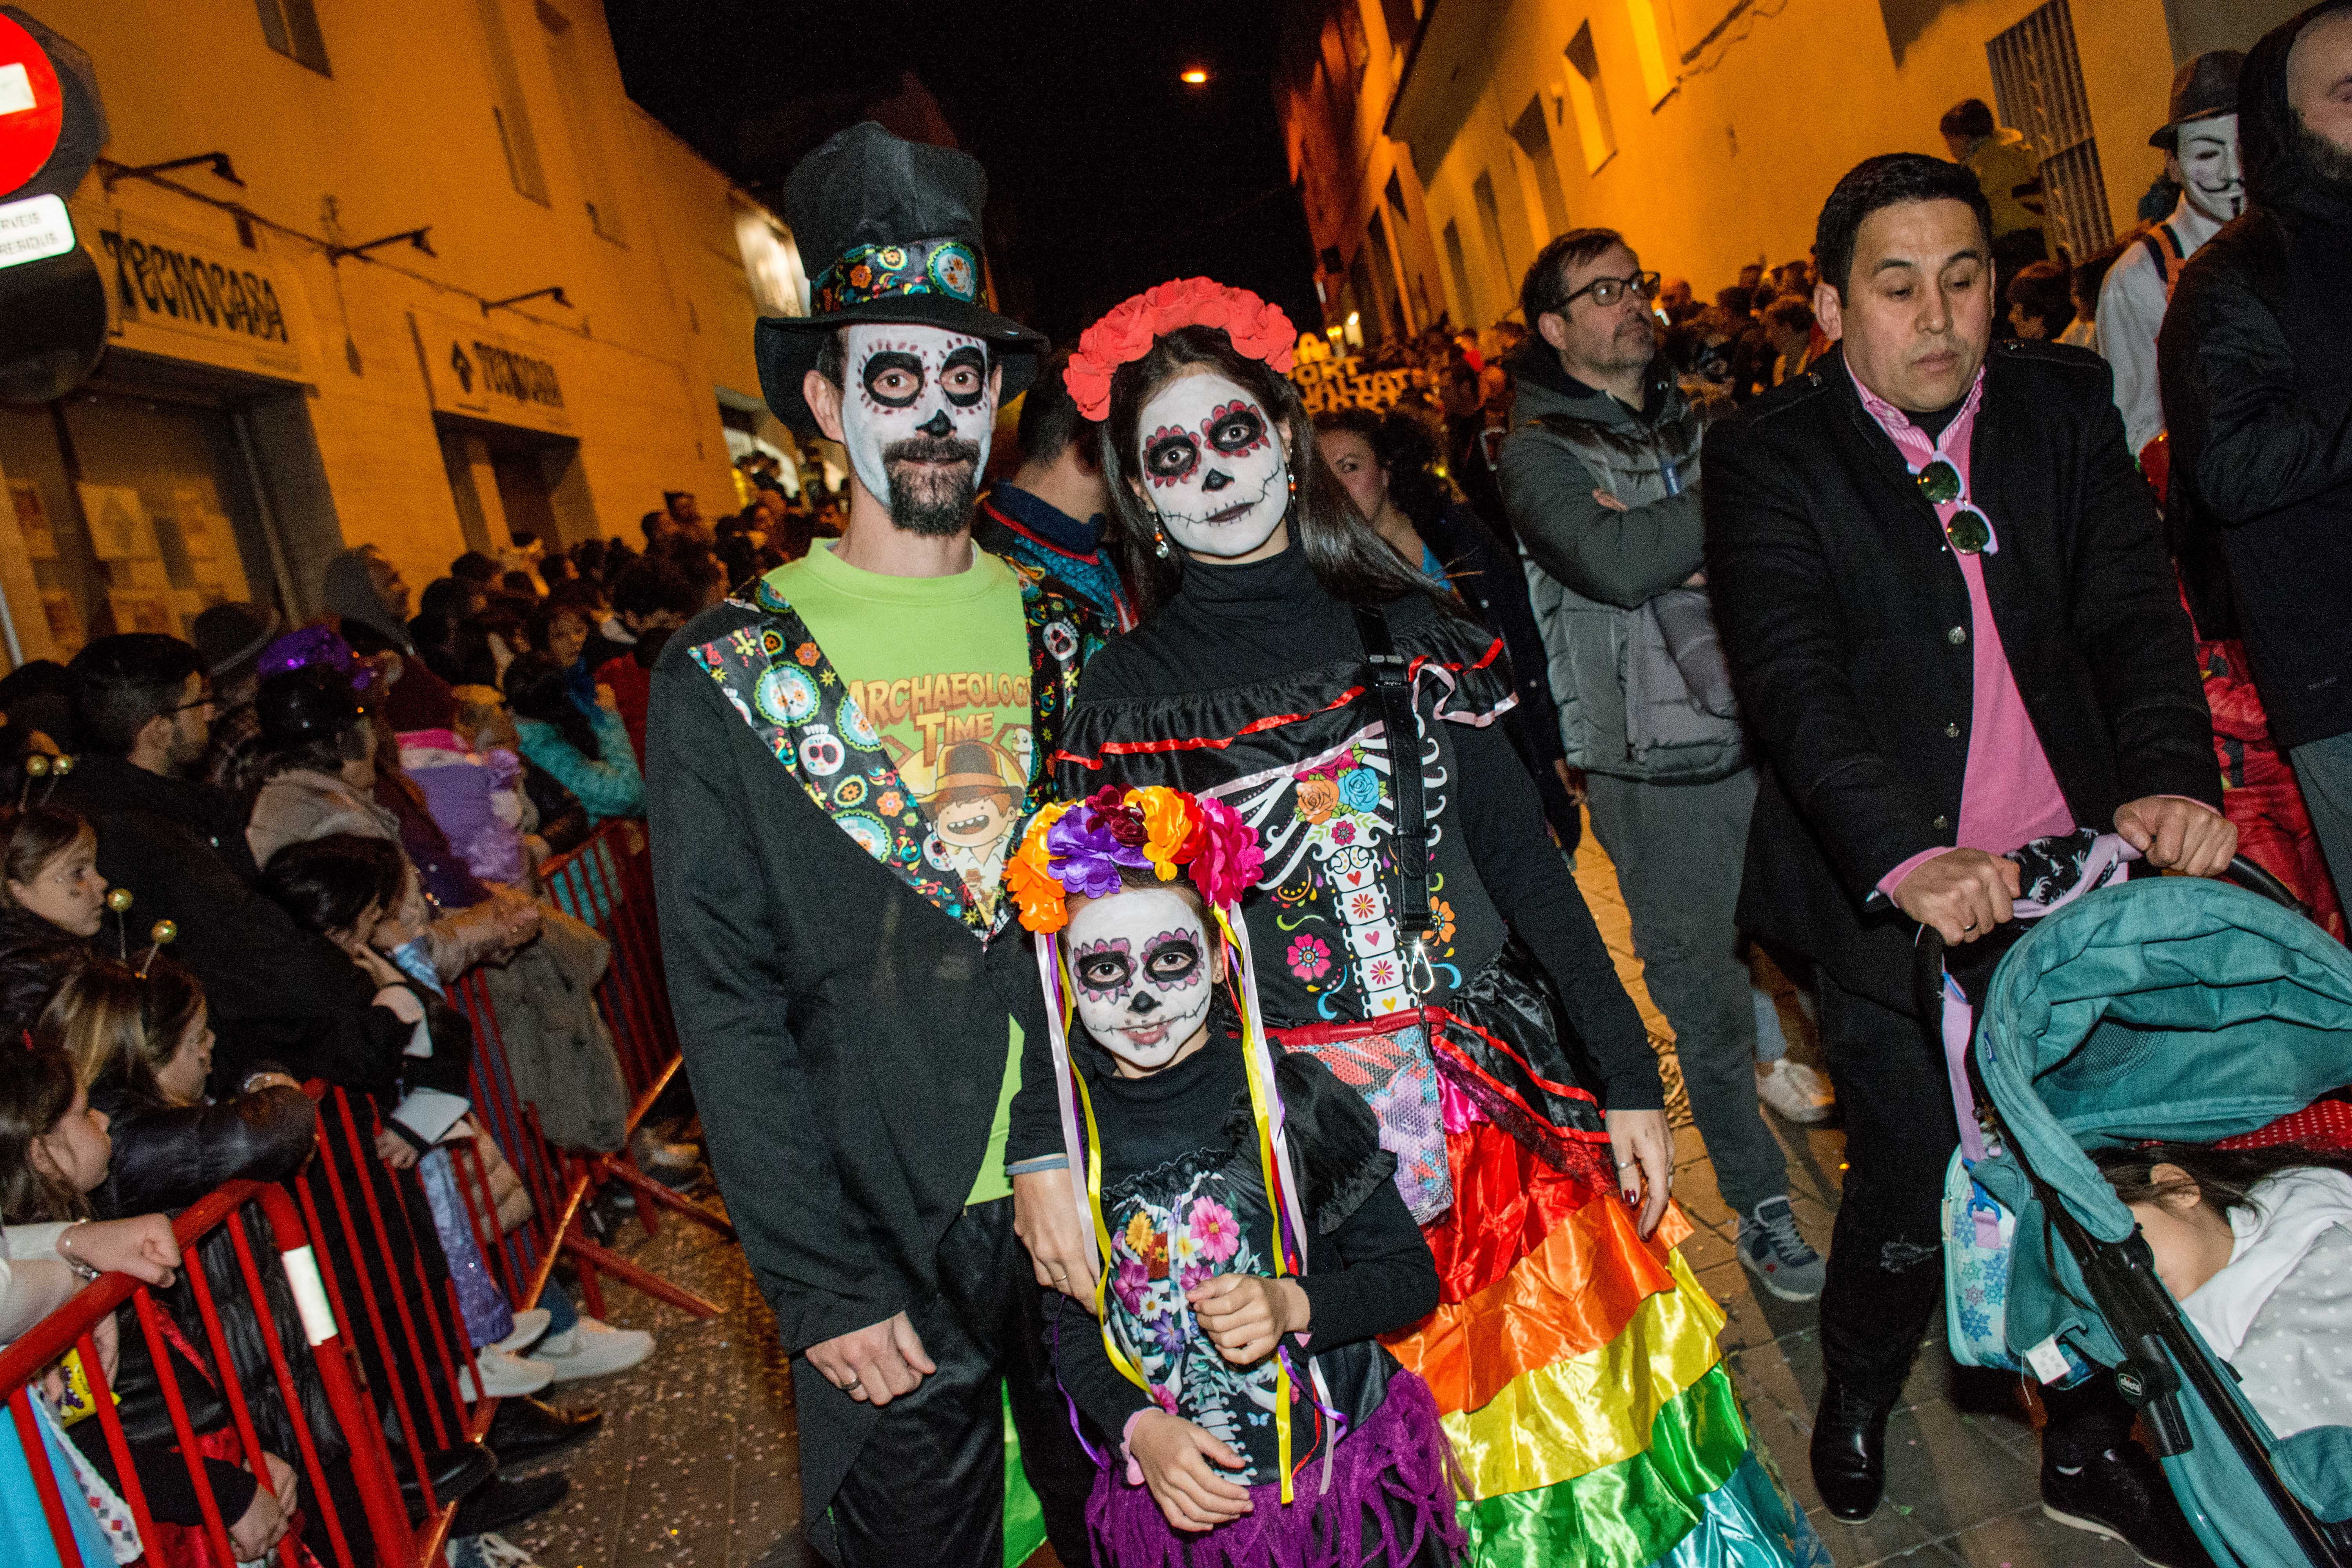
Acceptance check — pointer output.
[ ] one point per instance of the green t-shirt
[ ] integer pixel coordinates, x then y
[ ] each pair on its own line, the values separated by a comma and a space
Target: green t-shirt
940, 665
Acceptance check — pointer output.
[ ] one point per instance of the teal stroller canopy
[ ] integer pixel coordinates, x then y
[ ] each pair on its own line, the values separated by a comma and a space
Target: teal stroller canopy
2163, 1008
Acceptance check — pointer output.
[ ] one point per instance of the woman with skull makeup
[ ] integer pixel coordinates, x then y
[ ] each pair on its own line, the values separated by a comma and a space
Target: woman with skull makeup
1235, 1366
1420, 934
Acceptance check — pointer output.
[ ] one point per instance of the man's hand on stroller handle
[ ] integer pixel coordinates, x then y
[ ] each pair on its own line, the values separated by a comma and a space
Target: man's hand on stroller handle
1963, 893
2177, 835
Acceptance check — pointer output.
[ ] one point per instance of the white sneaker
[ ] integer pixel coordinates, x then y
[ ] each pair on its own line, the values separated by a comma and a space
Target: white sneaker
488, 1550
1796, 1092
503, 1375
650, 1150
592, 1349
528, 1325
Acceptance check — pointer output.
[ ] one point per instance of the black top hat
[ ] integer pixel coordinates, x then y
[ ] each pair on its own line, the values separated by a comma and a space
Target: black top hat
2206, 86
894, 225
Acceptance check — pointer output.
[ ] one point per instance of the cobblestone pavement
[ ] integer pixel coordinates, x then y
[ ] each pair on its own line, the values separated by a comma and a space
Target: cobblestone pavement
697, 1462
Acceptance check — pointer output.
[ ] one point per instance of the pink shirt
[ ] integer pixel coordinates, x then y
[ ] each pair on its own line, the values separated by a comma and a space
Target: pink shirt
2009, 796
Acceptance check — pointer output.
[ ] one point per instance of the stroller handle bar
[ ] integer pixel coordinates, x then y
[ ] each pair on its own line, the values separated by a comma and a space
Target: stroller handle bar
1927, 954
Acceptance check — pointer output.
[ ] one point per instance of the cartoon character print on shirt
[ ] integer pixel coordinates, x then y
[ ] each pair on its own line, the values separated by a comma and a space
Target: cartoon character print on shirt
779, 682
1172, 1229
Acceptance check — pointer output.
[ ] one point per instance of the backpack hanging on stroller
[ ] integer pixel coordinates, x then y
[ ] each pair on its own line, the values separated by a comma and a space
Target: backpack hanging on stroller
2166, 1008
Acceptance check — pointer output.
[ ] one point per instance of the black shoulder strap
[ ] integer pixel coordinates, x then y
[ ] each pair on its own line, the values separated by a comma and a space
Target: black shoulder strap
1392, 687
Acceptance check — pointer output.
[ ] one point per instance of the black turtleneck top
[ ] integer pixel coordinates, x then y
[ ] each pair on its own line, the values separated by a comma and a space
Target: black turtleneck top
1233, 626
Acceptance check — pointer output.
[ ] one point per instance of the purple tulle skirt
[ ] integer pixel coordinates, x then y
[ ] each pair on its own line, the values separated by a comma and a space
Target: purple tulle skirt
1389, 1476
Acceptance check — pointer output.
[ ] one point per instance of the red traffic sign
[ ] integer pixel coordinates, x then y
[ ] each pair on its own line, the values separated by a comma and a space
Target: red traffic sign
32, 108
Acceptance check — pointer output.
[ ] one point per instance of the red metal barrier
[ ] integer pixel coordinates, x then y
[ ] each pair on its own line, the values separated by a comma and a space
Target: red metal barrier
376, 1302
381, 1525
606, 882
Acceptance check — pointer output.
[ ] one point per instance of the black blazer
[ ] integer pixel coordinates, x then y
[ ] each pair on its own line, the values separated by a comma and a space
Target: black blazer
1846, 623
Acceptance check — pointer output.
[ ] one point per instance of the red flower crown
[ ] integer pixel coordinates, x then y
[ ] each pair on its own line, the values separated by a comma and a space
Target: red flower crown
1258, 329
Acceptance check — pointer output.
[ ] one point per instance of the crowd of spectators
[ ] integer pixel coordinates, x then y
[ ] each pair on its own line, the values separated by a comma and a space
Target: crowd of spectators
336, 824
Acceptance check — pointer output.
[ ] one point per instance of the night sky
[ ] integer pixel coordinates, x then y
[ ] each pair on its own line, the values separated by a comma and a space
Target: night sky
1106, 174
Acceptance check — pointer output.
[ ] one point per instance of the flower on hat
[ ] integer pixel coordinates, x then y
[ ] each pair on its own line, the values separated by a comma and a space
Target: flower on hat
1258, 329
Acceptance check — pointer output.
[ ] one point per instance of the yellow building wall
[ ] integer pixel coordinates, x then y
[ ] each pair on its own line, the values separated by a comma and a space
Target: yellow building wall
1732, 164
403, 134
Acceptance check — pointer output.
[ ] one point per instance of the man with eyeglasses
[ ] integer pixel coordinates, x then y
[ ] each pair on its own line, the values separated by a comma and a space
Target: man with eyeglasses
142, 714
1954, 630
1601, 482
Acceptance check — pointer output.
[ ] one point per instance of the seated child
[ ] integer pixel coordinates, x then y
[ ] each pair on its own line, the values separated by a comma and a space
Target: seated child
1235, 1363
49, 855
475, 791
549, 818
54, 1151
2256, 1246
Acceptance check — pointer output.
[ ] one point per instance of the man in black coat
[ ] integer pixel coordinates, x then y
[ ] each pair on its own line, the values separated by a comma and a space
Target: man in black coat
2255, 367
829, 782
1954, 630
280, 995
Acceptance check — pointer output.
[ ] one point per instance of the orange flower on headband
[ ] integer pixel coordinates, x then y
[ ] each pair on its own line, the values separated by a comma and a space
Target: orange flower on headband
1258, 329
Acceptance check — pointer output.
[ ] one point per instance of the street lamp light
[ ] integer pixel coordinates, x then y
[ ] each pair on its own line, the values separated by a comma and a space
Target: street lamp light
1194, 76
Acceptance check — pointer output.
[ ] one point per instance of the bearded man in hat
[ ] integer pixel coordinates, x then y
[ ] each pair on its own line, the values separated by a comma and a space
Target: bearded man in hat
850, 992
2199, 139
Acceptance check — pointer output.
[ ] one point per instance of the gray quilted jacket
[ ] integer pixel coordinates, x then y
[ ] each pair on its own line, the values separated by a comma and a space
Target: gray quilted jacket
1634, 665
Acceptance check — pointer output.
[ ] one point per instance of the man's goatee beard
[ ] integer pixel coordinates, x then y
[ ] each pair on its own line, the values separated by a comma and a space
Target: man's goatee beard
936, 508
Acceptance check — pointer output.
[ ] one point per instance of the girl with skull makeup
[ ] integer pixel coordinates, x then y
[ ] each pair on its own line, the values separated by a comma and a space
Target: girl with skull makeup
1251, 1240
1420, 934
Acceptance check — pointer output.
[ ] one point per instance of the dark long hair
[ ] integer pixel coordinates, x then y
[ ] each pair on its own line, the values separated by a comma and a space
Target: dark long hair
36, 1092
2225, 1178
536, 689
1354, 564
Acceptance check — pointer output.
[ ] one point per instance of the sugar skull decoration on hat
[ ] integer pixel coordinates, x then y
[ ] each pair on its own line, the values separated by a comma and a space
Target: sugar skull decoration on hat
1139, 966
1216, 463
894, 225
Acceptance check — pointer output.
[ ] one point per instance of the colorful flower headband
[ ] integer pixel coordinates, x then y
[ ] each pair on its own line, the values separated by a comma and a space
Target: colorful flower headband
1258, 329
1079, 846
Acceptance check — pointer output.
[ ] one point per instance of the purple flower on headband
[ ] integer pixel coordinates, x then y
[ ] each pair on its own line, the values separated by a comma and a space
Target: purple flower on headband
315, 644
1086, 854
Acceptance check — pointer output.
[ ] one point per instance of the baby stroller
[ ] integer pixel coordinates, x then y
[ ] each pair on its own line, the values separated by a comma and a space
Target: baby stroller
2162, 1008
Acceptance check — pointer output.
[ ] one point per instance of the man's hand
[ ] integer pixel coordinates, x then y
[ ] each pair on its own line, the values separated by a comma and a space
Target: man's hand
1174, 1455
1570, 779
1644, 1149
2175, 834
1048, 1223
394, 1149
1246, 1314
142, 1247
877, 1364
1611, 502
1963, 893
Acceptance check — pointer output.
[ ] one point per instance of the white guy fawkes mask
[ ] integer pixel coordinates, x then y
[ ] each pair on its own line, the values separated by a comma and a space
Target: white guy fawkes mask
1140, 963
913, 397
2210, 174
1212, 466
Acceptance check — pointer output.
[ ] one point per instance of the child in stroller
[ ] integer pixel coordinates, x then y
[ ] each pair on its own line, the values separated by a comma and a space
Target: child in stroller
2256, 1246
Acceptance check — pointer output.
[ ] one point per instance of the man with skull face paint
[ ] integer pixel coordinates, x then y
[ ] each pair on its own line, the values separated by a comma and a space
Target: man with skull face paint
838, 761
1415, 931
2200, 139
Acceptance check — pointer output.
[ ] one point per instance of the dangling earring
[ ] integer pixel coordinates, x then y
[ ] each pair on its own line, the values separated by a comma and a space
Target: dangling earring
1294, 489
1159, 542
